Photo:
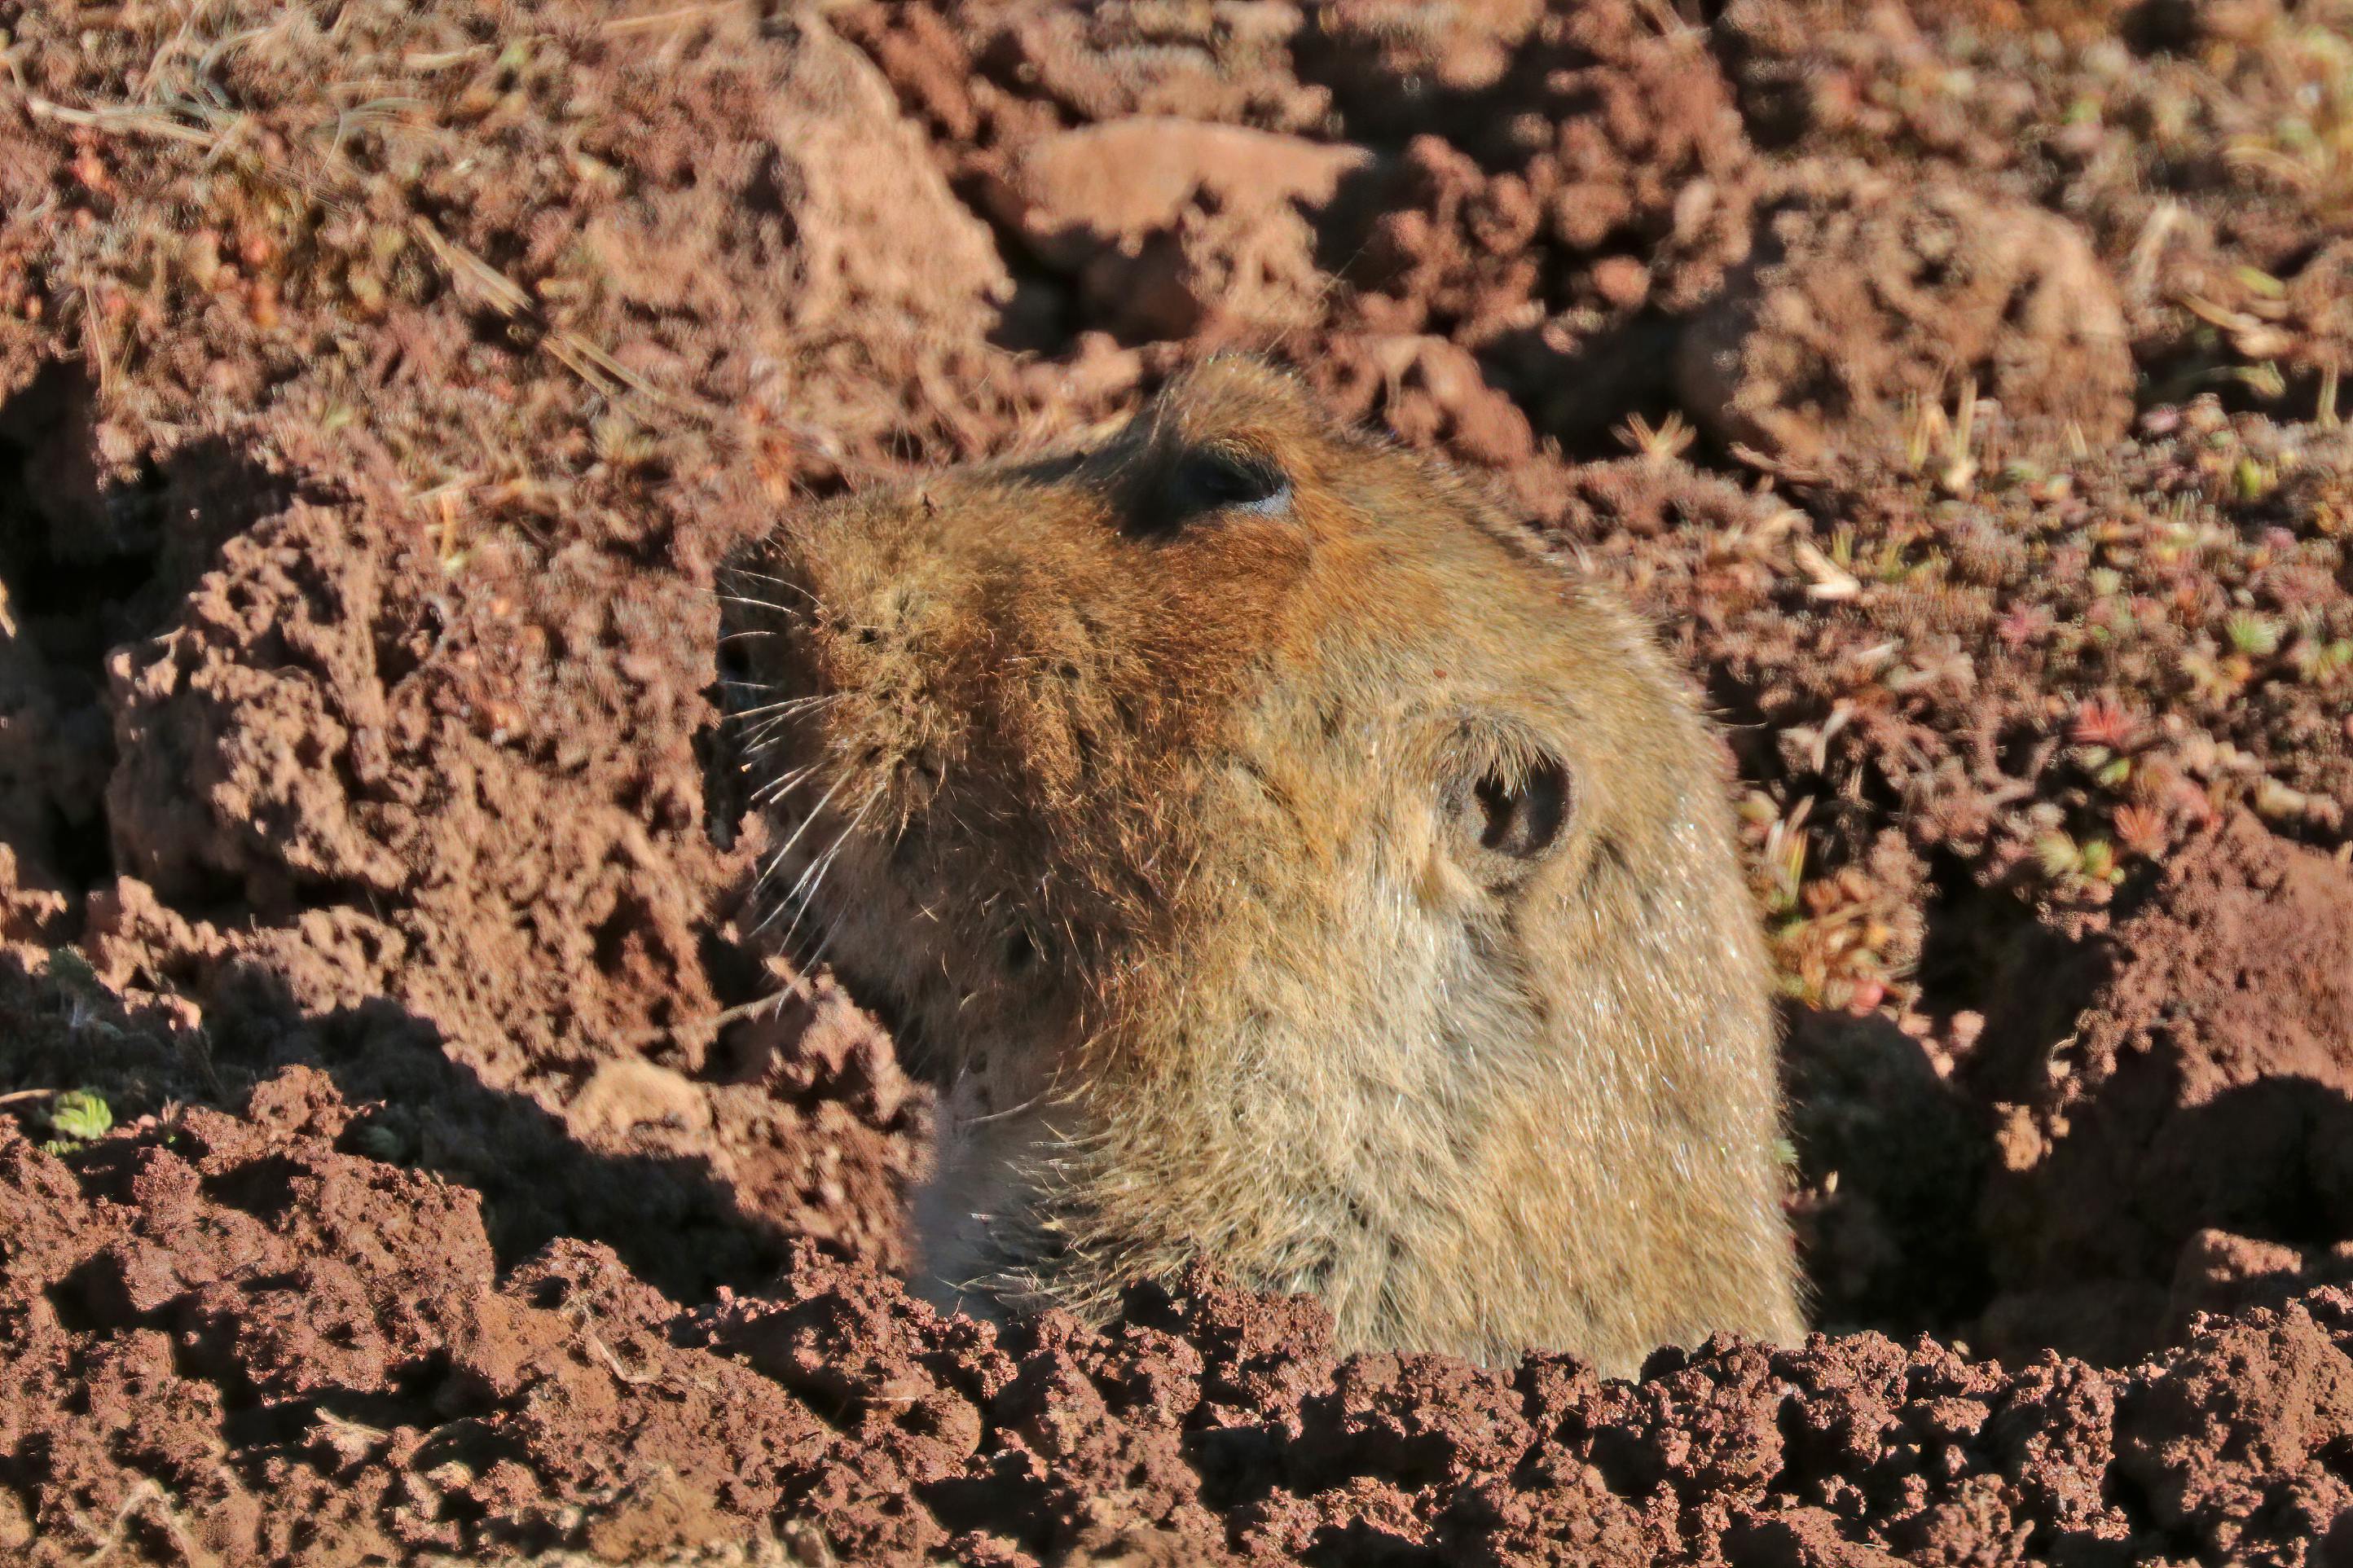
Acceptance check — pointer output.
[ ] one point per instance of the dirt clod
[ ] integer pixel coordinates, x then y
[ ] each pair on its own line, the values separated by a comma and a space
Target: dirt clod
1867, 308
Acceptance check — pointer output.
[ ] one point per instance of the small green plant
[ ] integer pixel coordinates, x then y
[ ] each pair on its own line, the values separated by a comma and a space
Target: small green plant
2065, 861
2321, 662
2253, 634
2257, 281
2058, 855
2252, 479
78, 1117
69, 969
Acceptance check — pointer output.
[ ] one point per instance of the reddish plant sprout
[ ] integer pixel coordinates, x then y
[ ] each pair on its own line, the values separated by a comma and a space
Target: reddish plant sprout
2103, 722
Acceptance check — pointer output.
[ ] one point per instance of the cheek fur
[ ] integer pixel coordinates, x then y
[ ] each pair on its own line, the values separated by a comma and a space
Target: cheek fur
1441, 887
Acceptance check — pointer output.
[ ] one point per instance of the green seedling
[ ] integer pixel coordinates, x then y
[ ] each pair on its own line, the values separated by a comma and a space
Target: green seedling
78, 1117
2253, 634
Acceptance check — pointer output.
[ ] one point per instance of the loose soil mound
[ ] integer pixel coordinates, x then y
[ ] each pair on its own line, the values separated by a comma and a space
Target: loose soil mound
410, 1155
275, 1349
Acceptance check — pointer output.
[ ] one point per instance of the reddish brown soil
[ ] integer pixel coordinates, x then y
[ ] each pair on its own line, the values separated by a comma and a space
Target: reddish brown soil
379, 386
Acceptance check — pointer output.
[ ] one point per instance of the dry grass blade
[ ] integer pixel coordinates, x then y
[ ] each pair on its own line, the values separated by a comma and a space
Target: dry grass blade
1831, 581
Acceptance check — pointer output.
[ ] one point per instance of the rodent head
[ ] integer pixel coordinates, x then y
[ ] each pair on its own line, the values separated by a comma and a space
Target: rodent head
1239, 769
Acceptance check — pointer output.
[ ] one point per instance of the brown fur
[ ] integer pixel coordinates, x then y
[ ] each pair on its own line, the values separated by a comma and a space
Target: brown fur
1160, 830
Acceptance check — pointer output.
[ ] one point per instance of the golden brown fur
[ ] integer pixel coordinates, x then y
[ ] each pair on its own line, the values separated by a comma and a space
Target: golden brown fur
1271, 859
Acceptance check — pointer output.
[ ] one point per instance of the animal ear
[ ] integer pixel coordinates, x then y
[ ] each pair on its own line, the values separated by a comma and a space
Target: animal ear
1507, 809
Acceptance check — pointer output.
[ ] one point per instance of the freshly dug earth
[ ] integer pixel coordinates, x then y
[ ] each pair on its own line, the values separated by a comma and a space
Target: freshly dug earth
306, 1355
380, 385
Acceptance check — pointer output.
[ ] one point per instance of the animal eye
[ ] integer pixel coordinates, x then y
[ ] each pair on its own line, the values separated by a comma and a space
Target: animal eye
1224, 478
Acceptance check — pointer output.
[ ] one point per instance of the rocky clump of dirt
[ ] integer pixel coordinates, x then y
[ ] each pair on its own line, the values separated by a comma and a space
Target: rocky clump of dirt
2201, 145
1866, 310
1171, 229
272, 1347
2195, 1121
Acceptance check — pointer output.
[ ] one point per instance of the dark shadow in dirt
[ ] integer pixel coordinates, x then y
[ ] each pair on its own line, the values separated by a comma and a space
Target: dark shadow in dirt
1579, 396
91, 561
1360, 1544
1892, 1159
1983, 951
2103, 1257
62, 1030
1344, 228
675, 1223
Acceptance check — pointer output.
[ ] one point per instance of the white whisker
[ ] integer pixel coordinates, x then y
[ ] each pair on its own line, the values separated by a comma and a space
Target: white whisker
746, 574
785, 784
786, 709
808, 901
785, 847
760, 604
794, 900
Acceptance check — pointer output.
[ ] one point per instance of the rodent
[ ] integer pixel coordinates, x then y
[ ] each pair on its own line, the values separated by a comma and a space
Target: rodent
1272, 856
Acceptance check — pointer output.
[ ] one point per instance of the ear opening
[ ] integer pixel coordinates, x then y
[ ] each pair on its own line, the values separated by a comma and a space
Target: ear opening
1524, 815
1508, 804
